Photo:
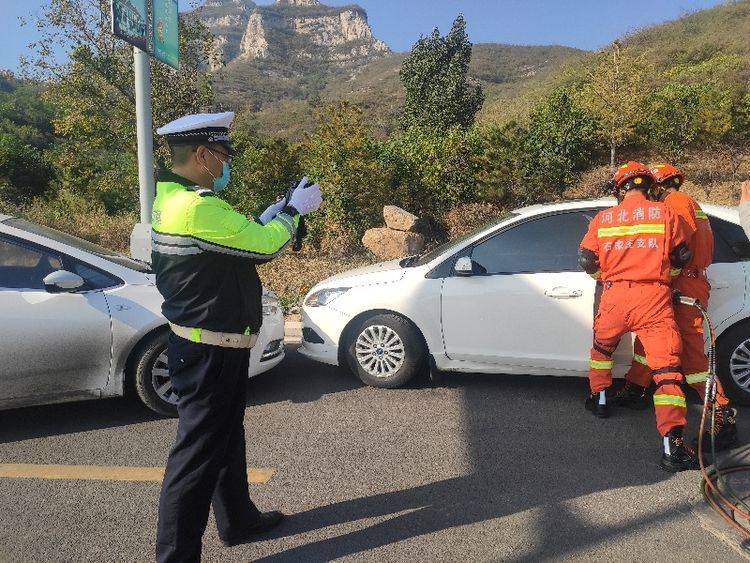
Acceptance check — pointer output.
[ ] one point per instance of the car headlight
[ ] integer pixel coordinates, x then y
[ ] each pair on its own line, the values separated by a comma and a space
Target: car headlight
323, 297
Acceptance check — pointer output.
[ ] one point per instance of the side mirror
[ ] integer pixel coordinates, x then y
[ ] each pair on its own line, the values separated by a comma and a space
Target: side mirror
61, 281
465, 266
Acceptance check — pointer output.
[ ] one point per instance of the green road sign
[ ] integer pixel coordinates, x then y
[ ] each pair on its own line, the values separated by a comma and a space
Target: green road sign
129, 22
165, 22
150, 25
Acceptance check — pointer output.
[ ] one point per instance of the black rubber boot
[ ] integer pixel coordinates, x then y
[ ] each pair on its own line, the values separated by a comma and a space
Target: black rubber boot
597, 404
677, 456
631, 396
724, 431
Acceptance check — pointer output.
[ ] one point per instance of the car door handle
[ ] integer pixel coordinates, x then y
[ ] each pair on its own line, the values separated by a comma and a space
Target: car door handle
563, 293
717, 284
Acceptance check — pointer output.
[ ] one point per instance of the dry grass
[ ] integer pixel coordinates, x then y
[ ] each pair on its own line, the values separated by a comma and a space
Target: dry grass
293, 274
83, 218
468, 216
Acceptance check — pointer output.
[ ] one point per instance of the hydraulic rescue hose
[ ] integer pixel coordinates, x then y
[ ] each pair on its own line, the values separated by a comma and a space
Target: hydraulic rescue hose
727, 508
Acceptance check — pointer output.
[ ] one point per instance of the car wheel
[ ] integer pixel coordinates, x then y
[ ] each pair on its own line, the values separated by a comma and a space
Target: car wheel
150, 376
733, 363
386, 351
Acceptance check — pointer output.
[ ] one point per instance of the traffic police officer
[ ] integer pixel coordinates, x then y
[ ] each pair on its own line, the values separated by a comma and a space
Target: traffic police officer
204, 256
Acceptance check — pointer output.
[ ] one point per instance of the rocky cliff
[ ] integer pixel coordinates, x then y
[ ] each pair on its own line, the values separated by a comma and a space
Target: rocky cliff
291, 30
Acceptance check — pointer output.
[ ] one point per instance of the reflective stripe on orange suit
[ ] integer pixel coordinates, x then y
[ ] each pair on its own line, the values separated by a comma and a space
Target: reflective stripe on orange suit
692, 282
632, 241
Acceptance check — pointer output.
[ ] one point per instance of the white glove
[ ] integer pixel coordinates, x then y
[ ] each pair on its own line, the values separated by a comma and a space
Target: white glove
272, 211
306, 199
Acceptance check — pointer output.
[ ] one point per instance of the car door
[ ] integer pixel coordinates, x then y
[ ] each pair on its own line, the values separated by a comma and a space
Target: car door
50, 343
727, 272
533, 307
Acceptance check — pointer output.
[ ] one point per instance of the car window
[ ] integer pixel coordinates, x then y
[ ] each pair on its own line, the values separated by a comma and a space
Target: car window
730, 241
547, 244
25, 268
441, 249
93, 278
79, 243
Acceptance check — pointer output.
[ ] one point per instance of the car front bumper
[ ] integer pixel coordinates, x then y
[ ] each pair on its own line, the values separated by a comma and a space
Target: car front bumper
268, 352
321, 333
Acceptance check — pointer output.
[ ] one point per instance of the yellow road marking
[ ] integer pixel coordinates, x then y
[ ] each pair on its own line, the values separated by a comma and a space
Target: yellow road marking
258, 475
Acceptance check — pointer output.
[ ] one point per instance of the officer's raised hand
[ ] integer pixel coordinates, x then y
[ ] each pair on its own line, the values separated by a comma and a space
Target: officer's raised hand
306, 198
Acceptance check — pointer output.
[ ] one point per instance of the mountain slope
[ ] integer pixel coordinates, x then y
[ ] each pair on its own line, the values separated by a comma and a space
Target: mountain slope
711, 44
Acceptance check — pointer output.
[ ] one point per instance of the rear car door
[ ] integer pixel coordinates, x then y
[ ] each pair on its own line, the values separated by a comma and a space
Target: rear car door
51, 344
534, 307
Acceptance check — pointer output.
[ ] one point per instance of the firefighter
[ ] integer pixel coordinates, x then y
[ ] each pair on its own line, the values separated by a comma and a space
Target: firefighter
631, 248
692, 282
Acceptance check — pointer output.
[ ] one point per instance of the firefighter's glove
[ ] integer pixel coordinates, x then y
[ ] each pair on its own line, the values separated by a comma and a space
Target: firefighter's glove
306, 198
272, 210
680, 255
589, 262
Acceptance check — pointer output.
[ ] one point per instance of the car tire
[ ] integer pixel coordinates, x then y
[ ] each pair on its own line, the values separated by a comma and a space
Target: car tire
732, 353
149, 370
386, 351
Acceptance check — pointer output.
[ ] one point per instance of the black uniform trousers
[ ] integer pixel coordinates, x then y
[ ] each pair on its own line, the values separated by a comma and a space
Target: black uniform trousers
207, 464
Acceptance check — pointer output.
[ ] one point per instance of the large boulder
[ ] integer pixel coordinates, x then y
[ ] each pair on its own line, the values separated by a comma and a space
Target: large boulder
399, 219
387, 244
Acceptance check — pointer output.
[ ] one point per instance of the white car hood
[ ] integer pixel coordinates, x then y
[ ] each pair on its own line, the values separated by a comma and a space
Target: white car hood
382, 272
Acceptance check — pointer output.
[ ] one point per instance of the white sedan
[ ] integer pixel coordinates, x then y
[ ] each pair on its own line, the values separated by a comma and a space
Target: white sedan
506, 298
82, 322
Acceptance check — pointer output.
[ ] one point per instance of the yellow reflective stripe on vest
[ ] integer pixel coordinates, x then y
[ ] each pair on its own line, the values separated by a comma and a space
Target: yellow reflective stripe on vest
599, 364
697, 377
699, 214
640, 359
626, 230
669, 401
195, 335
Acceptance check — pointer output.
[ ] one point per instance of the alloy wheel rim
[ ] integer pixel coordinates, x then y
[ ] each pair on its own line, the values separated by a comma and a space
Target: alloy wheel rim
161, 381
380, 351
739, 365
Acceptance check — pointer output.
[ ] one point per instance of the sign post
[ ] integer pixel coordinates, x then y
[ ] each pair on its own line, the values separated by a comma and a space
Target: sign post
151, 26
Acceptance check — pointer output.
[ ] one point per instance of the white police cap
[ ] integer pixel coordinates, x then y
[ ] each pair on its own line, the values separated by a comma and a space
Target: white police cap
198, 128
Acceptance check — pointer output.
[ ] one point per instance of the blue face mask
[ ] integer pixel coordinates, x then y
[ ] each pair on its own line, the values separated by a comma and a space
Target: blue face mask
221, 183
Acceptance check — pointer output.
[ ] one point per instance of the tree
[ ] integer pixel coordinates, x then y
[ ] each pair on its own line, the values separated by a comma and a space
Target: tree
93, 93
439, 94
559, 142
615, 92
434, 170
679, 115
344, 158
24, 171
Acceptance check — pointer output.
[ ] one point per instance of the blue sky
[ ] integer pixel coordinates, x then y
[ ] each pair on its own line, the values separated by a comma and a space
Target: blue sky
586, 24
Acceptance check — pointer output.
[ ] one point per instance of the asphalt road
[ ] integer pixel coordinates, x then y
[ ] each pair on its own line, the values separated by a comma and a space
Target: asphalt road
485, 468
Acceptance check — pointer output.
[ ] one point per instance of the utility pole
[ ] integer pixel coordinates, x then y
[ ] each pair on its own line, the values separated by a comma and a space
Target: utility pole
144, 128
140, 238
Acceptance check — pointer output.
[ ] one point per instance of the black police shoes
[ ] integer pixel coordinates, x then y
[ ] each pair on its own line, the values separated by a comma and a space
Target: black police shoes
267, 521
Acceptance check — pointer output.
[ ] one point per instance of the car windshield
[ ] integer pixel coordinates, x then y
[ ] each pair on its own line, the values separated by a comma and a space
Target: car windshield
79, 243
437, 251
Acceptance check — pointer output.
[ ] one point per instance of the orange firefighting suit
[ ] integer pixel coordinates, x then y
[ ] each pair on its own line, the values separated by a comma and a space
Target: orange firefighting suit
692, 281
632, 242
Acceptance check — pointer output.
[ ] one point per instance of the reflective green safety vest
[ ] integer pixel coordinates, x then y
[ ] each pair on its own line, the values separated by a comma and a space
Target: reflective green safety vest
204, 255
